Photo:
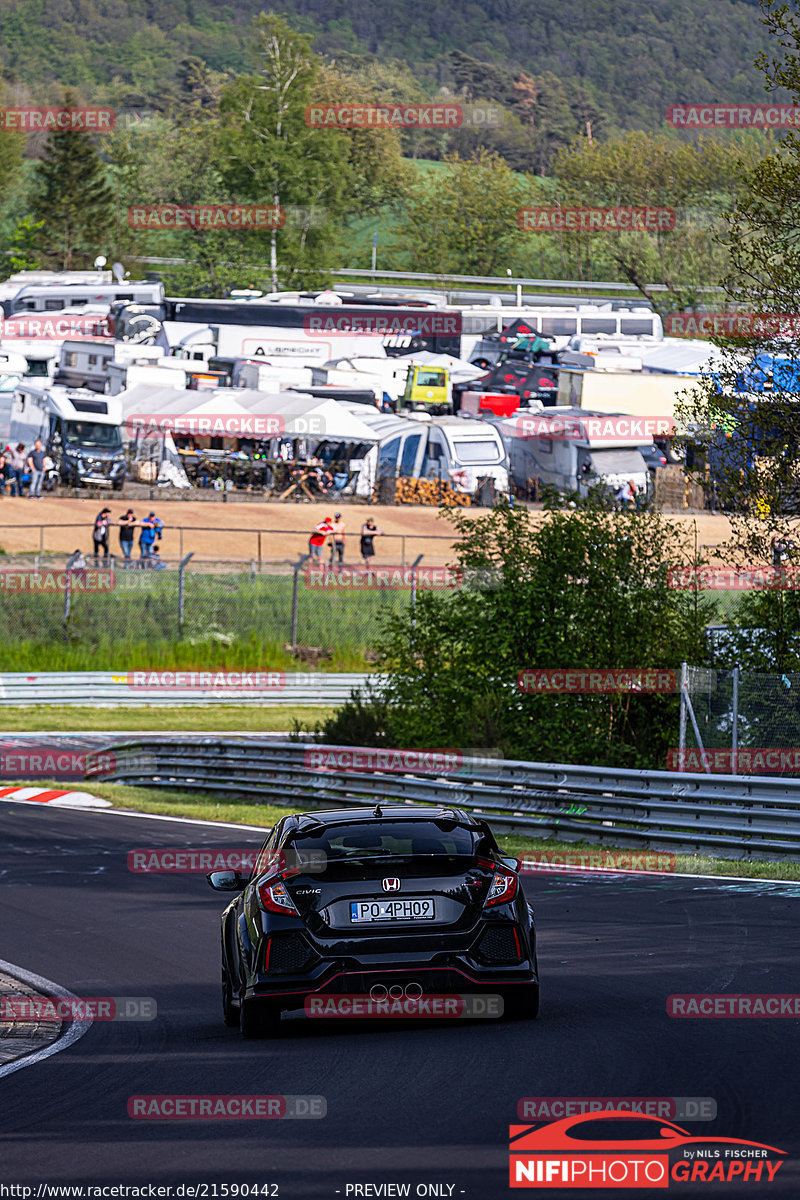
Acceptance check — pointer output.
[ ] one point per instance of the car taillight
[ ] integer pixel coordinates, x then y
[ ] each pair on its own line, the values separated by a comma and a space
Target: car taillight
503, 888
275, 898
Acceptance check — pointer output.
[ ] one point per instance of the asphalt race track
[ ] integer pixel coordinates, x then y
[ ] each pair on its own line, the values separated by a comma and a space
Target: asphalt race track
407, 1102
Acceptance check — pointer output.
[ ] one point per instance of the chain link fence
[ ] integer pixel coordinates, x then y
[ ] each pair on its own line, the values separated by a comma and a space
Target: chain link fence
204, 603
739, 722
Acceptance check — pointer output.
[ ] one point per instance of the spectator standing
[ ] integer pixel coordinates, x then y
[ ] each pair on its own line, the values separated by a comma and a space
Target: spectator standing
318, 535
127, 524
100, 534
2, 472
36, 460
146, 538
337, 539
369, 531
16, 460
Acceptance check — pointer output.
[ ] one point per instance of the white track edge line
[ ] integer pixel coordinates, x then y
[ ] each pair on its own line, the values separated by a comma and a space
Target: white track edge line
74, 1031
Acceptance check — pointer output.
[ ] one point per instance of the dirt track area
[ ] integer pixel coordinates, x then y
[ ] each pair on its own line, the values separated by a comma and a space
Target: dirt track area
273, 532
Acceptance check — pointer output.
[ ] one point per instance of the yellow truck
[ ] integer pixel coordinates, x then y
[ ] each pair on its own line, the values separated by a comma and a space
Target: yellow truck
427, 390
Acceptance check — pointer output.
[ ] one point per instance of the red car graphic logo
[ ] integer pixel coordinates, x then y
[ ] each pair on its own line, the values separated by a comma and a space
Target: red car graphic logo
589, 1150
392, 884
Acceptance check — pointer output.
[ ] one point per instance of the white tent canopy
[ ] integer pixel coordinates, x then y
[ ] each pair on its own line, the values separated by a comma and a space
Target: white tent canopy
300, 415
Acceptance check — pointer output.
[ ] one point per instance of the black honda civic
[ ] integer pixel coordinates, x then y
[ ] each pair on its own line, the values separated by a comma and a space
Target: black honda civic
375, 903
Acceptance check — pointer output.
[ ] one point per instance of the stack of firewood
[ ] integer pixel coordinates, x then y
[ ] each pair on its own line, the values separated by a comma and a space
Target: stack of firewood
428, 491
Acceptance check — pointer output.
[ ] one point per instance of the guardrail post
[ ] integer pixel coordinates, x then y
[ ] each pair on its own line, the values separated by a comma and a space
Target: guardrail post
295, 596
181, 573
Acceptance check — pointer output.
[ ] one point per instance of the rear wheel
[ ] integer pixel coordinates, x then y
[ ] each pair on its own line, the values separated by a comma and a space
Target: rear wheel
257, 1019
521, 1004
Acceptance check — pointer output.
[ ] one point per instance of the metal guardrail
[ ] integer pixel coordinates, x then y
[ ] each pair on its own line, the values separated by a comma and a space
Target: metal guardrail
734, 817
123, 688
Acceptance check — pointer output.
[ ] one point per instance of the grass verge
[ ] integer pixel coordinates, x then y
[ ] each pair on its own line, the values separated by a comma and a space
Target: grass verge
188, 804
216, 718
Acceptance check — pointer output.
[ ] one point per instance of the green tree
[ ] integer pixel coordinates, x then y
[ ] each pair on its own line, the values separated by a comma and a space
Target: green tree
700, 180
72, 199
270, 155
464, 220
578, 588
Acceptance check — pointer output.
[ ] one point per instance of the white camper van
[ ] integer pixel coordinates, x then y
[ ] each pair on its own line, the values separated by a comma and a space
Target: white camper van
455, 450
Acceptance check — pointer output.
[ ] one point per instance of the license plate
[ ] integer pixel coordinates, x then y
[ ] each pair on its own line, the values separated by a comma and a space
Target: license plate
392, 910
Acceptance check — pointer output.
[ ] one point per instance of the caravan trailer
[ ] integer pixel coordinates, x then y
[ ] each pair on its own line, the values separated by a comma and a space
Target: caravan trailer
572, 461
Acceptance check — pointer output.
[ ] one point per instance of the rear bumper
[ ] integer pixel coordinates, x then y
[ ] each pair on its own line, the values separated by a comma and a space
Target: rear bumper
450, 977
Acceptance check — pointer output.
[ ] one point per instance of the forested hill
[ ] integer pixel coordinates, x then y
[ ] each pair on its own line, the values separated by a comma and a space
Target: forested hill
629, 58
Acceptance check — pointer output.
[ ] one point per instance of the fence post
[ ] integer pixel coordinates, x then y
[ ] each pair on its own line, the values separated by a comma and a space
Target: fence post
414, 565
67, 596
295, 593
181, 572
41, 539
735, 730
682, 728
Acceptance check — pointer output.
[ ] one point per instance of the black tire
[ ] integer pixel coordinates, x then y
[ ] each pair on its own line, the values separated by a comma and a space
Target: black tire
257, 1019
521, 1004
230, 1011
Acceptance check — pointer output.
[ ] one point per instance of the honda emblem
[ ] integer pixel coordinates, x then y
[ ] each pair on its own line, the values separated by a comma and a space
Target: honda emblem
392, 884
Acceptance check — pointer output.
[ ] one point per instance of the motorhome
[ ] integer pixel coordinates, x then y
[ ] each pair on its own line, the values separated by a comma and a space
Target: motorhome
10, 287
455, 450
37, 297
84, 364
80, 430
563, 448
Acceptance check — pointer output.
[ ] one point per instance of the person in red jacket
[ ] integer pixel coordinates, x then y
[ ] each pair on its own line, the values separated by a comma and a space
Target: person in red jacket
318, 537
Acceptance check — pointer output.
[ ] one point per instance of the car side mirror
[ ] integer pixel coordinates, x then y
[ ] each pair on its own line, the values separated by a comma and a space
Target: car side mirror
227, 881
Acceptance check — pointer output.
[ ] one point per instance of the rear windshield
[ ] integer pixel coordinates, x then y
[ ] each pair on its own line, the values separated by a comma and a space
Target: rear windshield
390, 837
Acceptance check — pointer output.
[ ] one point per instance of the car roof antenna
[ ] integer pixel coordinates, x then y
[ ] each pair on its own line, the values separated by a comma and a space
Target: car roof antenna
378, 811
